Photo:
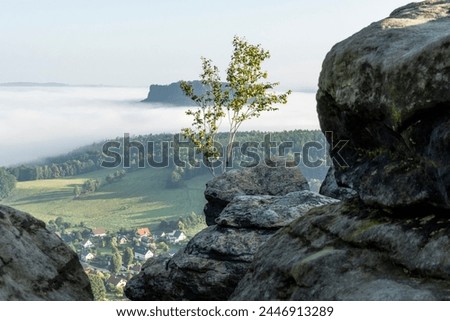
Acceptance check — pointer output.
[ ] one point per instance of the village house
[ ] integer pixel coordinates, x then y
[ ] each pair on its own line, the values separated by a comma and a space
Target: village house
175, 236
99, 232
86, 255
116, 281
146, 241
87, 244
123, 240
142, 253
142, 232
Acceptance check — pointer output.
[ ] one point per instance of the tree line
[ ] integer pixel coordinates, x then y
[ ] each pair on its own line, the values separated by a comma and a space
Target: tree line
92, 185
7, 183
79, 164
89, 158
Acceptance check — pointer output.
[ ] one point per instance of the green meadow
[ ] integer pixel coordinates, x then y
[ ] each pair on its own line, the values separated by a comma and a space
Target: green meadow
139, 199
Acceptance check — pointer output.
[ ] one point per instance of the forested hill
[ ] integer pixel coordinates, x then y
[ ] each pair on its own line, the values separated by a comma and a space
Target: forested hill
89, 158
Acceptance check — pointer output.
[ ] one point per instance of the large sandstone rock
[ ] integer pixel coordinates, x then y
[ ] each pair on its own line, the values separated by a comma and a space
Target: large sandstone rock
386, 89
348, 252
214, 261
208, 268
35, 264
276, 179
330, 188
269, 212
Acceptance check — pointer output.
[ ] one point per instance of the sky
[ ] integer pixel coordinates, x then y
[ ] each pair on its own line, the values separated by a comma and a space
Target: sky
142, 42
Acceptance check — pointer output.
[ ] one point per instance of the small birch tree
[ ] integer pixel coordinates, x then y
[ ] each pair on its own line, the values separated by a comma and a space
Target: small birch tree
245, 95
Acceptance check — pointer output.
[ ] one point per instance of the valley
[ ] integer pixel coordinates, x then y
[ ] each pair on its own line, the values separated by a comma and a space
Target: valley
139, 199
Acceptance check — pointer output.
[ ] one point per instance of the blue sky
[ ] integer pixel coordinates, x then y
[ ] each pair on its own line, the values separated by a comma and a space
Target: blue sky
139, 42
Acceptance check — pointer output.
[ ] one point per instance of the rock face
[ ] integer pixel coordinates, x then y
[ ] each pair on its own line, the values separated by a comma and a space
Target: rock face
348, 252
257, 180
330, 188
386, 89
269, 212
35, 264
213, 262
172, 94
207, 269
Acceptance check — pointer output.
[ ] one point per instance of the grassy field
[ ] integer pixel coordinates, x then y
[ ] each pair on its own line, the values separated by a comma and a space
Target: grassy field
139, 199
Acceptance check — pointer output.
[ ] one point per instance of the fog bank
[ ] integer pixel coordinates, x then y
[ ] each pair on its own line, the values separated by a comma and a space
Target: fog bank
37, 122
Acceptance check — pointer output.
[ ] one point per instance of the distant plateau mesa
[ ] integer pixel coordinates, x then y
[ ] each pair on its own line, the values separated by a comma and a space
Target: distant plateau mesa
172, 94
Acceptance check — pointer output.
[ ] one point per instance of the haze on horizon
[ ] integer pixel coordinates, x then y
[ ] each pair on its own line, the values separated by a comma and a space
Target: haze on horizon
143, 42
48, 121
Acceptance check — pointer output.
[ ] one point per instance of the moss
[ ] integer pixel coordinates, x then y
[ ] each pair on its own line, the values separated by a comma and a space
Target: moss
396, 116
301, 267
395, 95
392, 107
375, 152
365, 226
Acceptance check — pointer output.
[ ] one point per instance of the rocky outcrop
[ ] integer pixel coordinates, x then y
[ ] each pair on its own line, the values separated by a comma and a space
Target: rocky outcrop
35, 264
213, 262
330, 188
172, 94
275, 179
269, 212
349, 252
207, 269
386, 89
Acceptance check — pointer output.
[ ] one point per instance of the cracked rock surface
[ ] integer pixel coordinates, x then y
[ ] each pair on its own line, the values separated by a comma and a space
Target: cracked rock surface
35, 264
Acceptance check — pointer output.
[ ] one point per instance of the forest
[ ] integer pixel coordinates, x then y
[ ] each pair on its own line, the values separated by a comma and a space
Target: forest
90, 158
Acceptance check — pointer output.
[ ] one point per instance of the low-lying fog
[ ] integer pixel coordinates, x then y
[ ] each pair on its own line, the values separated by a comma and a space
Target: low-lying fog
36, 122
